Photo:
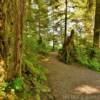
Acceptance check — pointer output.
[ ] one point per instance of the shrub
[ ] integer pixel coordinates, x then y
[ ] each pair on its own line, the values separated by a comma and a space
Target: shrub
83, 56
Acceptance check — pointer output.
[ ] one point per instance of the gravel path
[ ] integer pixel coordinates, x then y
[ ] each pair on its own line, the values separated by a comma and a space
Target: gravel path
71, 82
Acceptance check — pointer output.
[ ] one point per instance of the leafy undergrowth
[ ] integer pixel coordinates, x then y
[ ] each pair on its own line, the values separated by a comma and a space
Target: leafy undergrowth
30, 86
85, 56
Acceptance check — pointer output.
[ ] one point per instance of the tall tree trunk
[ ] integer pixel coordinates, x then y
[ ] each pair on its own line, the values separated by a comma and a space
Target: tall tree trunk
53, 29
39, 31
3, 51
97, 25
18, 35
2, 30
65, 35
65, 19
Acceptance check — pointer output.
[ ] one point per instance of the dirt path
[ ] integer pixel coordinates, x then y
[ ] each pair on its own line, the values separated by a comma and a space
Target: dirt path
71, 82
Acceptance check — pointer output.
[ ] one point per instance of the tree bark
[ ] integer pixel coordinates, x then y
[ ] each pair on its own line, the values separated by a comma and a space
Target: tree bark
96, 39
18, 35
65, 19
65, 35
2, 30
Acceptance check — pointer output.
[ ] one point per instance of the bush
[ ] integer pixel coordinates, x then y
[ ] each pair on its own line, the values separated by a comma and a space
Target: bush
83, 56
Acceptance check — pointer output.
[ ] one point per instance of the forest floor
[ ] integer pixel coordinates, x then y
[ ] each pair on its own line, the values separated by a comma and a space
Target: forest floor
71, 82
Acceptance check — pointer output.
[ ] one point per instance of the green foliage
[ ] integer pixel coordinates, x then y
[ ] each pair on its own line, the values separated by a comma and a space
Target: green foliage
17, 84
31, 50
3, 88
30, 42
81, 55
38, 81
38, 76
84, 55
43, 48
26, 95
94, 64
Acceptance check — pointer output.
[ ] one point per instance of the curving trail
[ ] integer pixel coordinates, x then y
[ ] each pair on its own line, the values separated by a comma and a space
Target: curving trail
71, 82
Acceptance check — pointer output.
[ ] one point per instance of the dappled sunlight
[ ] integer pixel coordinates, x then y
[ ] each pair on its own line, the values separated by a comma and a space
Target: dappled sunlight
86, 89
46, 59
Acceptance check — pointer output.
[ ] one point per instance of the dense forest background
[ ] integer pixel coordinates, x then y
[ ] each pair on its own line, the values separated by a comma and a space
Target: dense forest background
30, 29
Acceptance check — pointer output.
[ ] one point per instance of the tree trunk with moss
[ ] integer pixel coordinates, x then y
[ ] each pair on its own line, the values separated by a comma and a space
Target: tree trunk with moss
18, 35
3, 50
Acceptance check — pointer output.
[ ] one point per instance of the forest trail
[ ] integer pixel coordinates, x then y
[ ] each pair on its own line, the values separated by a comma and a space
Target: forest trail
71, 82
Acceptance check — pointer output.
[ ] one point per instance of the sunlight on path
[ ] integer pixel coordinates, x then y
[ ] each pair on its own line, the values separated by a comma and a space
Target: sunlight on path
71, 82
87, 89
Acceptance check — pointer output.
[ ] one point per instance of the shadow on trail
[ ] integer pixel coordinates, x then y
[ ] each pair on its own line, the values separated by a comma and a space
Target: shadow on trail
71, 82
